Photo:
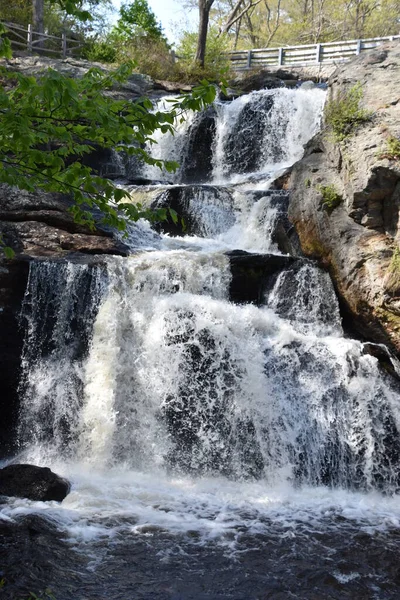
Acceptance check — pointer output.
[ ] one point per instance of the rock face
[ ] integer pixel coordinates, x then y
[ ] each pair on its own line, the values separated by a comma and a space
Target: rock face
34, 483
39, 225
358, 239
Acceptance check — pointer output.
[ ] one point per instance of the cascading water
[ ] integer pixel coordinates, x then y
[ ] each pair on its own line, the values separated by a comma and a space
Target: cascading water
249, 441
281, 120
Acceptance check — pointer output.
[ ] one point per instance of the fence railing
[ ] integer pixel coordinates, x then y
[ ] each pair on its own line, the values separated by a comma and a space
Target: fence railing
310, 54
40, 43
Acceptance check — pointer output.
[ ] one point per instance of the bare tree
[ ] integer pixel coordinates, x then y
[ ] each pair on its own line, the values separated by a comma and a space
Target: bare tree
204, 17
272, 20
240, 9
38, 19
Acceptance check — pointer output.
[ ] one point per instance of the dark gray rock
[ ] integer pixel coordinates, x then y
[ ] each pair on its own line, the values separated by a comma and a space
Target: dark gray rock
192, 204
242, 155
34, 483
197, 165
13, 279
261, 80
251, 274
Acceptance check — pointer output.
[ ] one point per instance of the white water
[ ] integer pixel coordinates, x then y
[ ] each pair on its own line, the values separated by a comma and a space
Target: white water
191, 414
291, 121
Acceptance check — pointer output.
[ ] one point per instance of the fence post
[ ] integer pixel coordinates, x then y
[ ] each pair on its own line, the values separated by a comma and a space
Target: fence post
29, 39
64, 44
249, 59
318, 53
280, 57
358, 49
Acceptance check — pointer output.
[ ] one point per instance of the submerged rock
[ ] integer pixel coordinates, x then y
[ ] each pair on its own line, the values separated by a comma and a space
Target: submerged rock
34, 483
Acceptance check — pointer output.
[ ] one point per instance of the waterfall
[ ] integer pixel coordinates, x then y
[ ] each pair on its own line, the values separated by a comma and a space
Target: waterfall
282, 120
175, 411
164, 372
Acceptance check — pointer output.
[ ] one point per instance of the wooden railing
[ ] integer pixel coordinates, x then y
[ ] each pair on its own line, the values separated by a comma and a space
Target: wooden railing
40, 43
310, 54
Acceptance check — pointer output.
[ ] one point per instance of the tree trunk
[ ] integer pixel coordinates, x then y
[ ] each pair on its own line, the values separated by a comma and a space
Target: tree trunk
38, 21
204, 15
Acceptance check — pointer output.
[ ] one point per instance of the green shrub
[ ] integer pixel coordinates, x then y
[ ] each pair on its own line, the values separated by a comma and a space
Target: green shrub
217, 64
392, 150
103, 51
344, 113
330, 197
394, 266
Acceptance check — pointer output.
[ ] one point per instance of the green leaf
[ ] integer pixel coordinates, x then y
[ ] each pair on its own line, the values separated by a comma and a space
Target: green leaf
174, 215
9, 252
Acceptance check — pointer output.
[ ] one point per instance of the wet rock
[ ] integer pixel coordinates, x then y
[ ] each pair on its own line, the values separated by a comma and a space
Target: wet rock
203, 210
13, 279
251, 274
385, 358
34, 483
242, 155
197, 165
359, 238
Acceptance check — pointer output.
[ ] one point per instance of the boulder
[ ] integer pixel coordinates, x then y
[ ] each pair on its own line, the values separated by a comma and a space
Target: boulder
358, 236
260, 80
136, 85
252, 273
34, 483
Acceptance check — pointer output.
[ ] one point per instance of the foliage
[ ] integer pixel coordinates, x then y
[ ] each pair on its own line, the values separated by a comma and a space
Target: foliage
216, 61
266, 23
100, 50
18, 11
151, 56
392, 150
5, 46
344, 113
137, 19
47, 126
330, 197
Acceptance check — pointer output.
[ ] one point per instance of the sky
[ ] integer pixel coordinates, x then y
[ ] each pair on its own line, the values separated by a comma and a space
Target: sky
172, 15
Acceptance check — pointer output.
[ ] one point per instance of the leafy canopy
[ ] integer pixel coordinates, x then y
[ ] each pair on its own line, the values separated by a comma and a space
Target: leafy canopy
137, 18
48, 124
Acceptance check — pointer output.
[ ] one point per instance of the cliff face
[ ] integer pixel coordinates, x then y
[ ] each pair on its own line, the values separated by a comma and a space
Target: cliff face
359, 238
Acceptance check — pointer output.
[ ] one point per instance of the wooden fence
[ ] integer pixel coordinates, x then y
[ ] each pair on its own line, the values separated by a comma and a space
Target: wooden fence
40, 43
301, 56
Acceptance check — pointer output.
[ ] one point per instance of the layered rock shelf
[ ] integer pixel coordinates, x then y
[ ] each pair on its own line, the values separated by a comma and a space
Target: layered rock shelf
359, 239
